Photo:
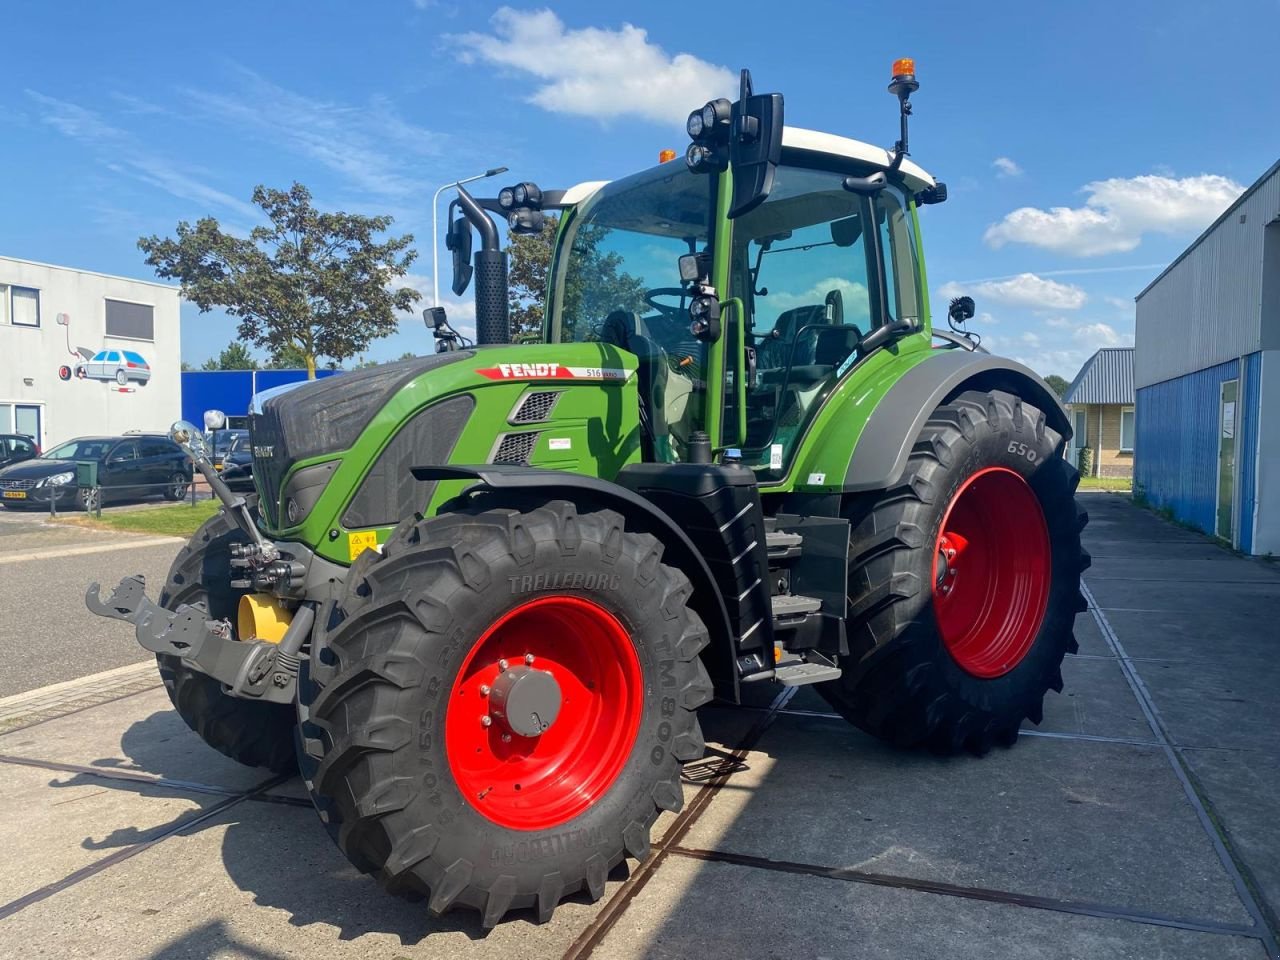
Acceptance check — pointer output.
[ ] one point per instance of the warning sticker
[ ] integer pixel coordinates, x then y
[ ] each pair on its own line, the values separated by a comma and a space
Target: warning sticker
361, 540
560, 443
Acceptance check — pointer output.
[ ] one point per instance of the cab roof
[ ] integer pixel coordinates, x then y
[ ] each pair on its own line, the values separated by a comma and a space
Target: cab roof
811, 141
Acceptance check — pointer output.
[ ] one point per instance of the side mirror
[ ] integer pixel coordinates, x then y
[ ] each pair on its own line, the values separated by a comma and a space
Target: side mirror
755, 146
458, 240
845, 233
434, 318
188, 436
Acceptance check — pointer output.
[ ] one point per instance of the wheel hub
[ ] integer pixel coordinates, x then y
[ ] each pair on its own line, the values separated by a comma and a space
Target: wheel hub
526, 700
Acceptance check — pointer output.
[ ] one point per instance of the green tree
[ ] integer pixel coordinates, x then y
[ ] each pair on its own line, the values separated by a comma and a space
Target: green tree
1057, 384
318, 283
594, 285
287, 356
235, 356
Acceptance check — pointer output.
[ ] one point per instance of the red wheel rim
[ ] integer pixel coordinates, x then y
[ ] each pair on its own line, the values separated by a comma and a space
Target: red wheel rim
991, 572
536, 782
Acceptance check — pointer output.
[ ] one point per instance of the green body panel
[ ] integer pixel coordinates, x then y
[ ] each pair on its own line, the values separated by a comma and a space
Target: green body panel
595, 426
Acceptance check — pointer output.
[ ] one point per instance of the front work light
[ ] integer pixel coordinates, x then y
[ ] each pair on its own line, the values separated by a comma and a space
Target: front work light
694, 125
527, 195
525, 221
506, 198
716, 115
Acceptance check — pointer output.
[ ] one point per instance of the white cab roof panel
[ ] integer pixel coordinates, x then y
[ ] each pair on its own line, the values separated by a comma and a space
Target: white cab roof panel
829, 143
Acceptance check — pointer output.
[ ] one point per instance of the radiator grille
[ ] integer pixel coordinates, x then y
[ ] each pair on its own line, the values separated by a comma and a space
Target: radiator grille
17, 484
516, 447
536, 407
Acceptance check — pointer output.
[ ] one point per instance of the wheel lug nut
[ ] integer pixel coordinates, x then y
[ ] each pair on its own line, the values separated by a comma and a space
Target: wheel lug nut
486, 720
484, 689
502, 665
506, 738
528, 658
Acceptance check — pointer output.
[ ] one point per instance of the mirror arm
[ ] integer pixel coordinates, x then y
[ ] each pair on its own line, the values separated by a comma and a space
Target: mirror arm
883, 334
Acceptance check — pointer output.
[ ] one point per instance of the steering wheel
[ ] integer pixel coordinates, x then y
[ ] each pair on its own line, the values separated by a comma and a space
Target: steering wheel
668, 311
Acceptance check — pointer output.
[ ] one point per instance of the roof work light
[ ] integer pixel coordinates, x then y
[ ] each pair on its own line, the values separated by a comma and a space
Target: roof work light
708, 128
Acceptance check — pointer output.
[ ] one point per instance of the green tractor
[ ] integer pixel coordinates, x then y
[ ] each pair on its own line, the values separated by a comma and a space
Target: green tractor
479, 596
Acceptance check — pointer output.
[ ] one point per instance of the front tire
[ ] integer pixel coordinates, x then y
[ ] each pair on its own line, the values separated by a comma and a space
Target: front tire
434, 779
251, 732
964, 581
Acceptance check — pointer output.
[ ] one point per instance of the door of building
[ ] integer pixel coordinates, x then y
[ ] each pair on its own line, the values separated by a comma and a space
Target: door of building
1079, 434
1228, 416
26, 419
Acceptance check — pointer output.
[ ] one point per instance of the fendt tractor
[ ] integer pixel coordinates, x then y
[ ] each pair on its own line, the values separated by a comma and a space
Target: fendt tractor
480, 595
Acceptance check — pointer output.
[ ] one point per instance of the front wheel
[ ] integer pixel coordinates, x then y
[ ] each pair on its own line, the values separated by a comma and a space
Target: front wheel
501, 702
964, 581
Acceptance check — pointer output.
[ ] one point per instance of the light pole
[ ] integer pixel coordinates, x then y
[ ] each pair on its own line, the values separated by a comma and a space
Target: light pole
435, 230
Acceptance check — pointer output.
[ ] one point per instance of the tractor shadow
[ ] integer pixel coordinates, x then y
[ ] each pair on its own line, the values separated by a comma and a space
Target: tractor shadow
273, 847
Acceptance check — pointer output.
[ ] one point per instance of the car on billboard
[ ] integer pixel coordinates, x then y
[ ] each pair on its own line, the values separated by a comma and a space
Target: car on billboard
122, 366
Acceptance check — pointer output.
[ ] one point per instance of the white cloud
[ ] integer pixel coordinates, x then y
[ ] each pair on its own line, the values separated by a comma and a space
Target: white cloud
1023, 290
597, 72
1100, 335
1059, 323
1116, 214
121, 153
1006, 167
370, 145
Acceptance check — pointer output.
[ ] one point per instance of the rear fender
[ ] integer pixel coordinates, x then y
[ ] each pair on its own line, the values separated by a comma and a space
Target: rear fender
885, 443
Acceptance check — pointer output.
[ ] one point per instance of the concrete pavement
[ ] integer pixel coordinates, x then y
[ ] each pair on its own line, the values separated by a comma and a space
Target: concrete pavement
1141, 819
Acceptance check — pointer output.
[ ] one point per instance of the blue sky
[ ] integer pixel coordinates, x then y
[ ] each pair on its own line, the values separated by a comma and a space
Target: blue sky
1085, 144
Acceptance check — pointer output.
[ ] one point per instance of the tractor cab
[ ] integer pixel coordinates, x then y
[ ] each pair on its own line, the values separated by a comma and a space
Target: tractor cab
801, 280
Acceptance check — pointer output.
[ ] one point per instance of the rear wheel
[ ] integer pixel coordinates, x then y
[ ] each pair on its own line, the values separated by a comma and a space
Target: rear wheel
964, 581
177, 487
499, 704
254, 733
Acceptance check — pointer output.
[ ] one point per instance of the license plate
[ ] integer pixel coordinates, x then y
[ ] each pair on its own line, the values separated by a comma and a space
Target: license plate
15, 494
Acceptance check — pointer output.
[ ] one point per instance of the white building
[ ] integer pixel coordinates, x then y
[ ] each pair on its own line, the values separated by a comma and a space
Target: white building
84, 353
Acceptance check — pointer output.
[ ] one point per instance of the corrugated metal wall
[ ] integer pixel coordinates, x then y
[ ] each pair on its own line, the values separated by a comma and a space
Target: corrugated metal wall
1207, 309
1176, 447
1248, 439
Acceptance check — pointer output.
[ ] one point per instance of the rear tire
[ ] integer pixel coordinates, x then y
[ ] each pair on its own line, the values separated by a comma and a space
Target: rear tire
922, 671
176, 488
425, 795
251, 732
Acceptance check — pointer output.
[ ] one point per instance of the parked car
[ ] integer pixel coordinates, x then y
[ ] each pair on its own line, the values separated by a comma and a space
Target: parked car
223, 441
237, 465
16, 447
122, 366
131, 467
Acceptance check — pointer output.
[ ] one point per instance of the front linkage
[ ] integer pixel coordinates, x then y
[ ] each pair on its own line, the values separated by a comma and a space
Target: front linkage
249, 668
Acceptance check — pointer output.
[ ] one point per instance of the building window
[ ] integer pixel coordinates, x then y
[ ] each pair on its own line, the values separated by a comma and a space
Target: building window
24, 306
1126, 429
133, 321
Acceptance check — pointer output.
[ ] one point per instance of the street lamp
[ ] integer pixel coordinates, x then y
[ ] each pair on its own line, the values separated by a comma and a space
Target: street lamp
435, 230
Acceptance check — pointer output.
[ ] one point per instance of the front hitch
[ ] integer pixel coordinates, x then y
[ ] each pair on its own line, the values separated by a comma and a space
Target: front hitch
251, 669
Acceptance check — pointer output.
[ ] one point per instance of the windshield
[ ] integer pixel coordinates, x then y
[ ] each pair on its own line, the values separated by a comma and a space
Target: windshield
617, 280
225, 441
80, 450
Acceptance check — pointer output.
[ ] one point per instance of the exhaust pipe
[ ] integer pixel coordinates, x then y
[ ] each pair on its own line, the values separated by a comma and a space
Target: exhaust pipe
493, 320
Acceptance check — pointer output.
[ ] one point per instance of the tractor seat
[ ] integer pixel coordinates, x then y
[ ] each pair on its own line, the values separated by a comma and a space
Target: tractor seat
774, 351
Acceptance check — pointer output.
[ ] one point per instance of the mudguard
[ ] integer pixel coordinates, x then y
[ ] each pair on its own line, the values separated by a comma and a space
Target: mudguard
885, 442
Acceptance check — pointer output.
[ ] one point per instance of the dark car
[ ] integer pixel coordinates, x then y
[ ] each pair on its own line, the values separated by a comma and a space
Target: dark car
224, 441
131, 467
237, 465
16, 447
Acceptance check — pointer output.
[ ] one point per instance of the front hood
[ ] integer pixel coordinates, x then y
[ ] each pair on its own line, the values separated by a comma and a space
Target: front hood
36, 469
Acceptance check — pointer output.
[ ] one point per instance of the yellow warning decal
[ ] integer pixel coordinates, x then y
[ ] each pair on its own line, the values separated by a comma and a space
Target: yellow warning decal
360, 541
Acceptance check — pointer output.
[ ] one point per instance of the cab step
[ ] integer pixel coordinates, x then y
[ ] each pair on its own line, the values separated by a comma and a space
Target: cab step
791, 610
799, 674
783, 545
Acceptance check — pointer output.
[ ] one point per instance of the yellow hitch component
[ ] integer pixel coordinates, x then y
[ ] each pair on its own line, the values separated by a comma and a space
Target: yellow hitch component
261, 616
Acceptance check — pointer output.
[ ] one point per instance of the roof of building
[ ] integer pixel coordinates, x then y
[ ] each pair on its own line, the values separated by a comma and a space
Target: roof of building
1275, 168
1106, 377
91, 273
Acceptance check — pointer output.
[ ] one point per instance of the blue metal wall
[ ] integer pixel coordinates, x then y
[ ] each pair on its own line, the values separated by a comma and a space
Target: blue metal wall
1248, 456
1176, 448
231, 390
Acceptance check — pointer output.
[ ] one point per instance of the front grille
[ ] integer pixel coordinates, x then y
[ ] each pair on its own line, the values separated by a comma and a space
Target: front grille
271, 460
536, 407
17, 484
516, 448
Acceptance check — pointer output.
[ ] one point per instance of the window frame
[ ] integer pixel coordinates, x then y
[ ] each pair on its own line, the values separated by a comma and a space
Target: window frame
1133, 432
13, 321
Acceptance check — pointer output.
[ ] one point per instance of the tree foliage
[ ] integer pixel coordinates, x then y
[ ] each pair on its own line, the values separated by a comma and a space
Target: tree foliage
595, 283
234, 356
1057, 384
320, 284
